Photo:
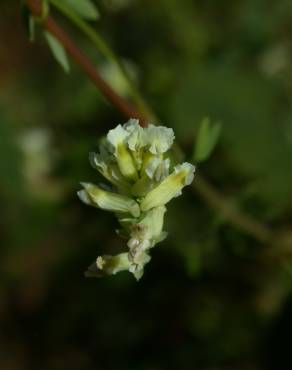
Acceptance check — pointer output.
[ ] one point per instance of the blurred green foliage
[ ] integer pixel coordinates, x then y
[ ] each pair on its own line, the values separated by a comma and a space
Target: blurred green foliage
212, 297
206, 140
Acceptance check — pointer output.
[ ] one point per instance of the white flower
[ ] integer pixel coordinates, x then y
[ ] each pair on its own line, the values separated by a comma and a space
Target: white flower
110, 170
93, 195
170, 187
157, 168
110, 264
134, 160
160, 138
117, 138
137, 138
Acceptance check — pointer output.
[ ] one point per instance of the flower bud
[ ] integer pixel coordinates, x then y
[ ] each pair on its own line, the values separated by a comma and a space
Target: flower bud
109, 170
169, 188
113, 264
109, 201
117, 138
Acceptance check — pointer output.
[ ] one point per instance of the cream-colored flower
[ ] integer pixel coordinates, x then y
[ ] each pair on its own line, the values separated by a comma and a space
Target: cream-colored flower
137, 138
158, 168
113, 264
134, 160
117, 138
93, 195
170, 187
160, 138
109, 169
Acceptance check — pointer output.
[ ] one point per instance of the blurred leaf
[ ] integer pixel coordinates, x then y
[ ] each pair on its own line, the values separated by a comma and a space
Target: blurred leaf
255, 139
58, 51
45, 10
193, 258
29, 22
206, 139
31, 28
85, 8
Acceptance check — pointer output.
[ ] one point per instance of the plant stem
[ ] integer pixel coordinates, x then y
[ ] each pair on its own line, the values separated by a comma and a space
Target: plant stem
108, 53
212, 197
83, 61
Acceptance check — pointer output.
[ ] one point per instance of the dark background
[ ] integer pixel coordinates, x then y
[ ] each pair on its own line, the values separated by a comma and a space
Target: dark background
211, 298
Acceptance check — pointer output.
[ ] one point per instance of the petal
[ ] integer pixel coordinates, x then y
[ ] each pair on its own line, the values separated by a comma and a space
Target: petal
158, 168
152, 225
126, 163
84, 197
169, 188
145, 234
109, 201
111, 265
137, 268
131, 125
137, 138
154, 221
160, 138
117, 136
117, 139
110, 170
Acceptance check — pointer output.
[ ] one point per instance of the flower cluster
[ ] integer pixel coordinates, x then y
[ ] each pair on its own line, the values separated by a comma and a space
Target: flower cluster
142, 181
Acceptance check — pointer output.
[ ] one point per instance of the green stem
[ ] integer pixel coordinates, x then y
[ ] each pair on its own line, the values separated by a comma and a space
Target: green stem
107, 52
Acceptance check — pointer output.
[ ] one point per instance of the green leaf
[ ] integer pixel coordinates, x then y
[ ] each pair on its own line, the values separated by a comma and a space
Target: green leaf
206, 140
31, 28
58, 51
45, 10
85, 8
28, 21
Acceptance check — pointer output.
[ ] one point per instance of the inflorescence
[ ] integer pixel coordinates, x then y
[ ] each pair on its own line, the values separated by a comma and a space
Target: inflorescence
142, 180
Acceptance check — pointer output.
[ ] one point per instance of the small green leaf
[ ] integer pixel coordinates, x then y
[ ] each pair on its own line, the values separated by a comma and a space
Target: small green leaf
58, 51
206, 141
28, 21
85, 8
31, 28
45, 10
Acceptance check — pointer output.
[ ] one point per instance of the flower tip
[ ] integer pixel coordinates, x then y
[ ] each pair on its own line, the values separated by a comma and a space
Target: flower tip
132, 123
190, 172
160, 138
100, 262
117, 135
92, 159
83, 196
85, 184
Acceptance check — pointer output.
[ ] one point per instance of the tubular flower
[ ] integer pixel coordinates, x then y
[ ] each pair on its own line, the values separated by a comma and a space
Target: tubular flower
142, 181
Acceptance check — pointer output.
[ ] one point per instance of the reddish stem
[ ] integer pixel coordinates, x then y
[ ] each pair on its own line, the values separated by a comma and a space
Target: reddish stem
127, 109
